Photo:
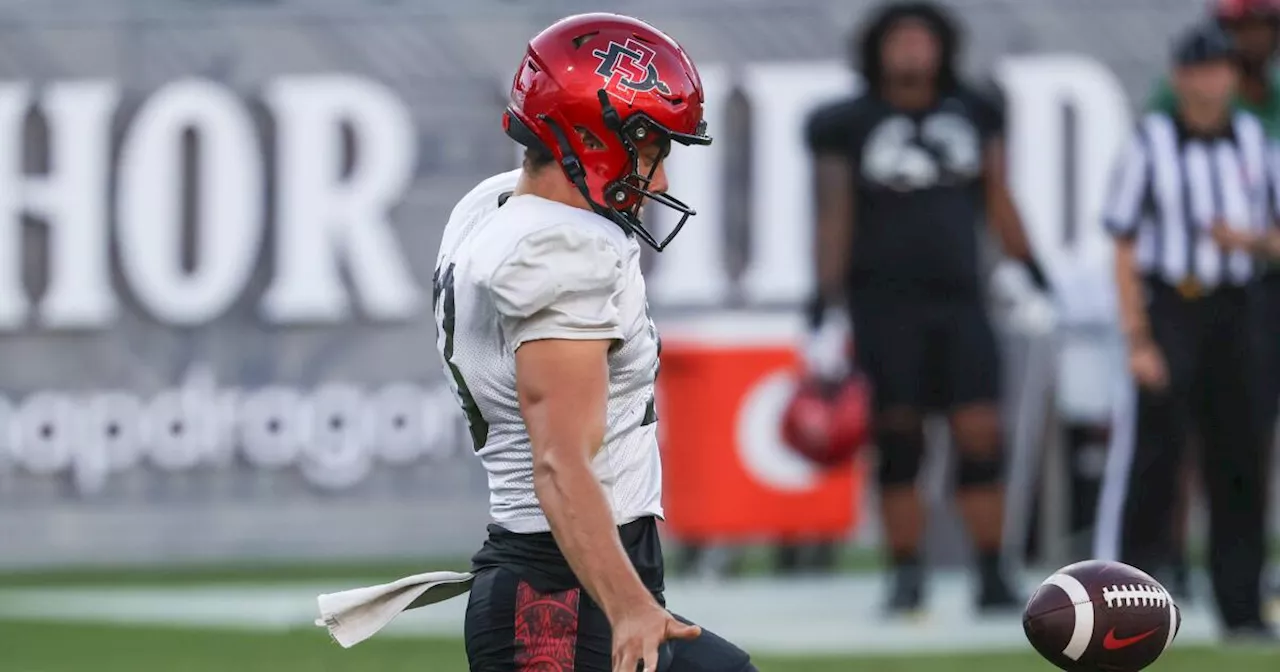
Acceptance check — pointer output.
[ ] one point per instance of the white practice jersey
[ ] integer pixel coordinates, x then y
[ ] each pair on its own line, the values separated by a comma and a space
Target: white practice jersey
536, 269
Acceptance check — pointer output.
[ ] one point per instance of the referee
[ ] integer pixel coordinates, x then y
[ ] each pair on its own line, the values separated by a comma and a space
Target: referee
1187, 317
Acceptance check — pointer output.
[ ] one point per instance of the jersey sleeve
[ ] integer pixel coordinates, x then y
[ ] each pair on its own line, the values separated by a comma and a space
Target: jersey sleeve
829, 129
559, 282
989, 111
1130, 189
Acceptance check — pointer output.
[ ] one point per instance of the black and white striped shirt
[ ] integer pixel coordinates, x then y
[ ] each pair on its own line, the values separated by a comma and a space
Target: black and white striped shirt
1172, 185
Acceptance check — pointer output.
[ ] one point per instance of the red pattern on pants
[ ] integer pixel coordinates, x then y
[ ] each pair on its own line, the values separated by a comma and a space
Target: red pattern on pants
546, 629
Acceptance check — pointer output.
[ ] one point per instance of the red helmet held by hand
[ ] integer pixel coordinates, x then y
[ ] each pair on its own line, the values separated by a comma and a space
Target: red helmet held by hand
828, 423
625, 85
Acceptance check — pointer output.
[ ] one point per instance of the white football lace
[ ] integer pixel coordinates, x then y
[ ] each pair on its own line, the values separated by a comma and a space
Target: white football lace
1135, 596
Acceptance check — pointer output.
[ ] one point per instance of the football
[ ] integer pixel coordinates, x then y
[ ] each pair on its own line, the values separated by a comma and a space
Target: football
1098, 616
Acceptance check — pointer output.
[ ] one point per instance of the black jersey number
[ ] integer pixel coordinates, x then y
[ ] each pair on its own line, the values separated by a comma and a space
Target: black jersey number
442, 297
651, 408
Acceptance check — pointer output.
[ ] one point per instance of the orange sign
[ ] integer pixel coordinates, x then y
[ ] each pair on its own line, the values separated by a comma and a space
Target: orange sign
727, 474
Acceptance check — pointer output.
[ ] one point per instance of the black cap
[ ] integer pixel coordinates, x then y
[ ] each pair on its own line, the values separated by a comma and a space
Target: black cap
1204, 43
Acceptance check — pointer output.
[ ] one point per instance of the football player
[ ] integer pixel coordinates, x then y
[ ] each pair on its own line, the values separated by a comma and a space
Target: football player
545, 333
904, 173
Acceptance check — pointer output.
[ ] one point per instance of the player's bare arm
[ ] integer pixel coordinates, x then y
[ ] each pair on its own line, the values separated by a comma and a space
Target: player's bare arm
563, 389
833, 195
1002, 213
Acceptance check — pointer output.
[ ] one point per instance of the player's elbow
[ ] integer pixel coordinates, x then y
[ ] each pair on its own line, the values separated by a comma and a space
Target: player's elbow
546, 466
554, 464
556, 474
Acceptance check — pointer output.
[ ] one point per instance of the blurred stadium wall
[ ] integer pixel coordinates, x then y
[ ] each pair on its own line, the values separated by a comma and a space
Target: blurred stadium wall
218, 223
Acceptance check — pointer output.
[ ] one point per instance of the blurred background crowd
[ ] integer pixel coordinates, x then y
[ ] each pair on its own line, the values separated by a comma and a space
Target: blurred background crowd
218, 221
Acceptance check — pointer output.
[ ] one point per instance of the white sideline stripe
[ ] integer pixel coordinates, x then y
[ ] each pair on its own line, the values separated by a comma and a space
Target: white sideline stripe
1114, 493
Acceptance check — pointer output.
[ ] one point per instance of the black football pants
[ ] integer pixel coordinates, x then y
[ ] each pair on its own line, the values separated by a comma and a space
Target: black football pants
1208, 346
1269, 350
513, 627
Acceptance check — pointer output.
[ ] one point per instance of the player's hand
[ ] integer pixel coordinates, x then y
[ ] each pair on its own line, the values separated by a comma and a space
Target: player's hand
826, 350
638, 634
1034, 315
1026, 309
1148, 367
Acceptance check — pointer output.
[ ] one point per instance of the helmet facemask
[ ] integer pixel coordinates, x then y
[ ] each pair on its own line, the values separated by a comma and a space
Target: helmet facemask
626, 195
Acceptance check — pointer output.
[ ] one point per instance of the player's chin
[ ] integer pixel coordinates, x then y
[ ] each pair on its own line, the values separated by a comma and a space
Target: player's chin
916, 75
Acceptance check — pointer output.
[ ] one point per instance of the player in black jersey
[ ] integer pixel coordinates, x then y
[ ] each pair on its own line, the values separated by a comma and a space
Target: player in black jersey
905, 173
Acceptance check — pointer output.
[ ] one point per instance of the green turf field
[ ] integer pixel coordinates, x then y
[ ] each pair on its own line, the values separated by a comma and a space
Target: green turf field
38, 647
34, 646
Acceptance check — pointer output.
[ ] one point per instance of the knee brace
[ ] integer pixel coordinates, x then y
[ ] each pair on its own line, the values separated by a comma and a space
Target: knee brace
976, 472
901, 455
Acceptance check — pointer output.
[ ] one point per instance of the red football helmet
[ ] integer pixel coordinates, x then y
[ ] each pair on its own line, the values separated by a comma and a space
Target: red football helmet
829, 423
621, 82
1236, 10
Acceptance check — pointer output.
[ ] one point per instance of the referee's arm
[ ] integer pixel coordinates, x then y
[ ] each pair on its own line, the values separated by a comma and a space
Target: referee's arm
1269, 246
1123, 215
1265, 243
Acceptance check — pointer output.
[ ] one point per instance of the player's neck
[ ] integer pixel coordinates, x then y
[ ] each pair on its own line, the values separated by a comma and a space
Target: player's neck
910, 94
550, 184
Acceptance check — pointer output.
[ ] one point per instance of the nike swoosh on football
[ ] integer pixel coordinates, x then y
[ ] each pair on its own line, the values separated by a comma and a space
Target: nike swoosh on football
1111, 642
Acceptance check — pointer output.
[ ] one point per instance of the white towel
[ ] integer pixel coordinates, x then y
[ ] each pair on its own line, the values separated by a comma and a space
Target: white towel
355, 615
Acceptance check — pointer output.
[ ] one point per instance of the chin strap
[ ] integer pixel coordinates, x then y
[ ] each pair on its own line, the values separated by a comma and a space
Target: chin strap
568, 159
573, 169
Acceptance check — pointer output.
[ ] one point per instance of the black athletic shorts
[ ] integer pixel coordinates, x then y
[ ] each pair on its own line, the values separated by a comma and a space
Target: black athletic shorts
528, 613
926, 354
512, 627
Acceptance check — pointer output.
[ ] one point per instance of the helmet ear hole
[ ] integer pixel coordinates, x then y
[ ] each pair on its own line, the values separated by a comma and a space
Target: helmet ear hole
589, 139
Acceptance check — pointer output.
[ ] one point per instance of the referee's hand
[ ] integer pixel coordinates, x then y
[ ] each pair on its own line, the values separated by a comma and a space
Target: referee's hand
1232, 240
1148, 367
